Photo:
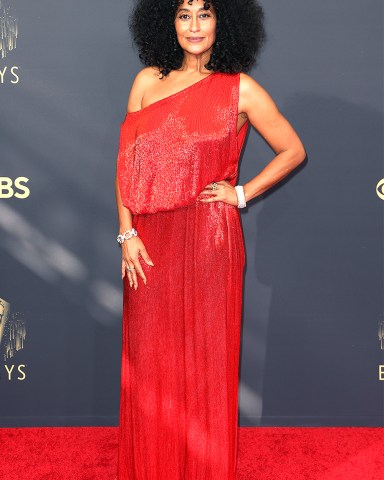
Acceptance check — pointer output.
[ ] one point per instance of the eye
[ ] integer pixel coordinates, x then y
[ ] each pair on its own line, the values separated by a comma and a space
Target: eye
185, 16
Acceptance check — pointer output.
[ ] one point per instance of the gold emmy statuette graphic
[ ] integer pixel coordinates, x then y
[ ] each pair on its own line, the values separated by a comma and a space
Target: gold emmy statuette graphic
4, 314
381, 334
8, 28
12, 331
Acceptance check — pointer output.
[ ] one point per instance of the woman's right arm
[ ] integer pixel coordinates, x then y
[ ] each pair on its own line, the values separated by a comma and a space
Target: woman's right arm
132, 248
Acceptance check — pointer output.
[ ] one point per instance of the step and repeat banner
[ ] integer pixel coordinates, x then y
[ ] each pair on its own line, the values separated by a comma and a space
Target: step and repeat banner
313, 320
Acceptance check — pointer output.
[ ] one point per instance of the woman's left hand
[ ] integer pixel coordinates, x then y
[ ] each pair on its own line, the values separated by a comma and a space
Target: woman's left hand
225, 192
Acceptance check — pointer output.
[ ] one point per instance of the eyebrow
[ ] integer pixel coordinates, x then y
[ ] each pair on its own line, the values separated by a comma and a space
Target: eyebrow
188, 10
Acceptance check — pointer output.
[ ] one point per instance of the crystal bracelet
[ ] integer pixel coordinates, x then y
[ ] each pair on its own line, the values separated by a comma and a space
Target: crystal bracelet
126, 236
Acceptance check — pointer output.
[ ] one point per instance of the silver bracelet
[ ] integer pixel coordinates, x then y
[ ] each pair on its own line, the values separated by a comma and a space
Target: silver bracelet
126, 236
240, 196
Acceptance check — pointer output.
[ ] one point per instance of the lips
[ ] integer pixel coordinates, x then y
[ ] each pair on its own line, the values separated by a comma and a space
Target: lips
195, 39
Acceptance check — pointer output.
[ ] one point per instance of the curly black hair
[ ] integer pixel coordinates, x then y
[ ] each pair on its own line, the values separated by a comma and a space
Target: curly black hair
240, 34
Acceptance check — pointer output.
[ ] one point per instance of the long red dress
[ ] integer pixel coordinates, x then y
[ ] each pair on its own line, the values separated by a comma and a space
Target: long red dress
181, 331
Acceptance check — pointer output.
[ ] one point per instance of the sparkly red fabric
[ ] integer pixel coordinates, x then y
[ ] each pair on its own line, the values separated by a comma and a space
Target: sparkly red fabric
181, 331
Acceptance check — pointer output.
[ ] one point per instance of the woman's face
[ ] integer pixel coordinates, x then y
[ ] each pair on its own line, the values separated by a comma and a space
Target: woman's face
195, 27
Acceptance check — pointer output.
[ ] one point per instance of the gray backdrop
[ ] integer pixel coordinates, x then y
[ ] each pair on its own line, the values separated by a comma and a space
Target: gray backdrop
313, 294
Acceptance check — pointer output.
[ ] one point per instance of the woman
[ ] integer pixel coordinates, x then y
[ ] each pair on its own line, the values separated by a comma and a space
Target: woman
180, 232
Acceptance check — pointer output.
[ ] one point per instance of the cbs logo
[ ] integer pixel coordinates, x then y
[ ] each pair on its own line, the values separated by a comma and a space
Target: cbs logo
380, 189
9, 189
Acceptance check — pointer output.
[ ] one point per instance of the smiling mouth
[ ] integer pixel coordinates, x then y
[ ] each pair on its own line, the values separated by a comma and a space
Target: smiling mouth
195, 39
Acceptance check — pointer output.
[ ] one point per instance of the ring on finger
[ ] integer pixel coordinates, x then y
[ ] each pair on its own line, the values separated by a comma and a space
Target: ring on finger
215, 186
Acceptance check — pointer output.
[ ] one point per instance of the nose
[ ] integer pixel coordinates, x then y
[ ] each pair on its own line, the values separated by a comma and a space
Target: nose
194, 25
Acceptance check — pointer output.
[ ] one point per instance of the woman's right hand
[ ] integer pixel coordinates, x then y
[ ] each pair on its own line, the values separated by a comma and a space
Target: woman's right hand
131, 249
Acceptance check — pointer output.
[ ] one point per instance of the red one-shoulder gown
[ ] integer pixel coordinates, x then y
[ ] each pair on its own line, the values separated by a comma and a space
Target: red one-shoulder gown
181, 331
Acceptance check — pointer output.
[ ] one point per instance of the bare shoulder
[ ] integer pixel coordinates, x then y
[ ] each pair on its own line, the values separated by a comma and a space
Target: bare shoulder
253, 96
143, 81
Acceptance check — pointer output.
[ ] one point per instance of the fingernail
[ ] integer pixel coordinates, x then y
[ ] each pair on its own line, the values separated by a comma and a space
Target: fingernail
151, 263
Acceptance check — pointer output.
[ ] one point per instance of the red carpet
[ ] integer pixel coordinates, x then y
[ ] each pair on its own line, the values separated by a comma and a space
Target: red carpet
265, 453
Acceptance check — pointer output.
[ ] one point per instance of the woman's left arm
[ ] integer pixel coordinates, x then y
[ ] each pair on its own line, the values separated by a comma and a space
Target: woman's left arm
265, 117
